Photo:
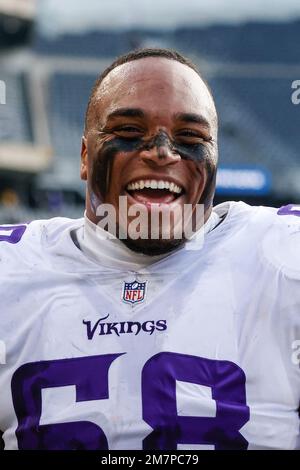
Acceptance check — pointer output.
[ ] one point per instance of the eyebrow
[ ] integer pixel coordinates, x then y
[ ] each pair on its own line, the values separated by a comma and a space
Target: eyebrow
127, 112
193, 117
139, 113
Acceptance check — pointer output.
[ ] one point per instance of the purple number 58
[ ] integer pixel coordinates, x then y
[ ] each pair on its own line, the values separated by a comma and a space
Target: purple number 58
90, 377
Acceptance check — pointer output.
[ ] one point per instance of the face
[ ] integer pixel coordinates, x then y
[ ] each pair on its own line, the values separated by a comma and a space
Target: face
151, 138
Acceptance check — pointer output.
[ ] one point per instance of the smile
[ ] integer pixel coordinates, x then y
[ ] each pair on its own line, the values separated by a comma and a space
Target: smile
155, 191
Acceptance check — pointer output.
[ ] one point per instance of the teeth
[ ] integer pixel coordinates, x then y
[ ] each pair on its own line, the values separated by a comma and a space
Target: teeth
154, 184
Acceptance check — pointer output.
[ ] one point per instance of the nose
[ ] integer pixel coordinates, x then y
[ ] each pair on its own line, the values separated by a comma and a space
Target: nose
159, 152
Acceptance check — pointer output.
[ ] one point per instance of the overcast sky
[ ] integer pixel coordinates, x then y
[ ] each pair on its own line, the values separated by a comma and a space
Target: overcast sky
69, 15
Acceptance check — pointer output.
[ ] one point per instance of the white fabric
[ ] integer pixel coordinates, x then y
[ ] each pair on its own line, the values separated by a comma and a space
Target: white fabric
93, 241
210, 355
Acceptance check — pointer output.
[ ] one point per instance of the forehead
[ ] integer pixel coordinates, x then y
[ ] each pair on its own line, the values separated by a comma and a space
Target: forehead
156, 85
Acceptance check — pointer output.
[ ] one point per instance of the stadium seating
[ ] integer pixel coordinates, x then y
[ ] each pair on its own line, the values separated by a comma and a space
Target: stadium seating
14, 115
244, 43
258, 122
259, 125
94, 44
68, 98
269, 100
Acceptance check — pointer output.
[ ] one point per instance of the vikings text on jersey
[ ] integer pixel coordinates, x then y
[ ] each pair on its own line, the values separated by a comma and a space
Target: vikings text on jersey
196, 351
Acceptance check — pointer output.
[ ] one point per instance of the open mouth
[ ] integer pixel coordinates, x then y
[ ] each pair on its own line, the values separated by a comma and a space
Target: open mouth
154, 191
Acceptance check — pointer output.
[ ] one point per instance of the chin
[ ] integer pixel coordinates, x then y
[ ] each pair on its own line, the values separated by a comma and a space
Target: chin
153, 247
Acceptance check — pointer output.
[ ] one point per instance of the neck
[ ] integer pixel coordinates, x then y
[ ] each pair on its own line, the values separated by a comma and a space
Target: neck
110, 252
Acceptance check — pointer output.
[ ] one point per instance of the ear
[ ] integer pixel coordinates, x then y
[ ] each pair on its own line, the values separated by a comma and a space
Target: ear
83, 164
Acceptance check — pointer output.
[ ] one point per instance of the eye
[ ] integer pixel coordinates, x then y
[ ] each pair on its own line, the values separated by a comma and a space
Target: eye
129, 132
190, 136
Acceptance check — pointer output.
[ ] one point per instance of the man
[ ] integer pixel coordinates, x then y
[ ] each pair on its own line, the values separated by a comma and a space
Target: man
144, 342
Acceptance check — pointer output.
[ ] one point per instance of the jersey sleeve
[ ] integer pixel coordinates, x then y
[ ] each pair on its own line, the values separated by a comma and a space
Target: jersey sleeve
20, 246
281, 243
26, 246
281, 249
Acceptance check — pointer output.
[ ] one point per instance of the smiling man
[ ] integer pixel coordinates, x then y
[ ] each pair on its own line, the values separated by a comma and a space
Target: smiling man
112, 338
151, 137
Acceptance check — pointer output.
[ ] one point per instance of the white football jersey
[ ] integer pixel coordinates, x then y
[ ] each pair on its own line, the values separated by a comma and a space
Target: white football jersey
201, 350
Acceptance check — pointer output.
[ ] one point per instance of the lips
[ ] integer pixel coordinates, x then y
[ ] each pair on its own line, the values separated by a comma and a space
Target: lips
154, 191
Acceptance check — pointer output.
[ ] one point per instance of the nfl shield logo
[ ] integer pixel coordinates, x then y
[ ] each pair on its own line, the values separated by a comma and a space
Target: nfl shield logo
134, 292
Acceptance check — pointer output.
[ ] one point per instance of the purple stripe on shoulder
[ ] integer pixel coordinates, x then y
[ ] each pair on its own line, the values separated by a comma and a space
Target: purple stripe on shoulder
14, 235
290, 209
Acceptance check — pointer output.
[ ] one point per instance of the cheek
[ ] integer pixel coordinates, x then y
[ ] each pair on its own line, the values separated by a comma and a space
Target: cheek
117, 174
197, 176
197, 153
109, 161
103, 158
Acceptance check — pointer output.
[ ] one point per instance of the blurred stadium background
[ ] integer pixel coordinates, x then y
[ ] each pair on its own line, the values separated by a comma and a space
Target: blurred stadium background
51, 52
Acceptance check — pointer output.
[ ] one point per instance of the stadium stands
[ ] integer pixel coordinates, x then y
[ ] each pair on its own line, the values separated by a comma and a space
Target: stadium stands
93, 44
14, 115
258, 123
269, 100
243, 43
251, 84
68, 98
